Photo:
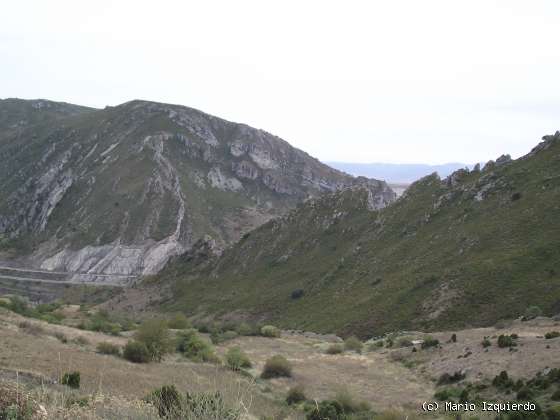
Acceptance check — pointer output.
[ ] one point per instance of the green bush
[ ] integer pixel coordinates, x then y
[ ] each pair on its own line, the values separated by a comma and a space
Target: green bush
108, 348
245, 329
71, 379
502, 381
556, 395
295, 395
430, 342
353, 344
179, 322
349, 404
136, 352
192, 346
270, 331
237, 359
218, 337
166, 400
442, 395
446, 378
552, 334
327, 409
154, 333
524, 394
335, 349
486, 342
506, 341
275, 367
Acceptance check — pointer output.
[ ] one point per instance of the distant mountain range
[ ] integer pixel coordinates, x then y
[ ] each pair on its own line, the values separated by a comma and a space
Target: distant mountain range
397, 172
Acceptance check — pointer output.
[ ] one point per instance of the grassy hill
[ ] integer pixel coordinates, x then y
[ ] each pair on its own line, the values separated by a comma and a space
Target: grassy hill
466, 251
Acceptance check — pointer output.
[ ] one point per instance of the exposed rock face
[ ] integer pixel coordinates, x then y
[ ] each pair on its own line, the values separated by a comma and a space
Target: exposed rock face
123, 189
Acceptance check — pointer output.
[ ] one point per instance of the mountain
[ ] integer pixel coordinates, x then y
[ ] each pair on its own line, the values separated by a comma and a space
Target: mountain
397, 172
121, 189
468, 250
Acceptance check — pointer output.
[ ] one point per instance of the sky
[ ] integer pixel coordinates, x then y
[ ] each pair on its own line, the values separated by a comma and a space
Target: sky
357, 81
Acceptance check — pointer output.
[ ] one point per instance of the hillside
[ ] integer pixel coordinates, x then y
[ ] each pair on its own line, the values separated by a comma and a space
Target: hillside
469, 250
121, 189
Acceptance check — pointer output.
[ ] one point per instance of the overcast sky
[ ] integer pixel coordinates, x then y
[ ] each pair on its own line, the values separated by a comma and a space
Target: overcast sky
369, 81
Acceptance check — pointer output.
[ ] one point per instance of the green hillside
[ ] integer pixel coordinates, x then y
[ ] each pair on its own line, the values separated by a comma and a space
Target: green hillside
469, 250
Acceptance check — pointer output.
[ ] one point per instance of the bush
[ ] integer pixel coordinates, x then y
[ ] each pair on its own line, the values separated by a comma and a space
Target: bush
335, 349
353, 344
166, 400
275, 367
295, 395
506, 341
349, 404
552, 334
442, 395
446, 378
136, 352
454, 338
502, 381
155, 335
270, 331
192, 346
531, 313
524, 394
61, 337
179, 322
327, 409
71, 379
237, 359
245, 329
31, 328
81, 340
430, 342
556, 395
486, 342
108, 348
218, 337
297, 294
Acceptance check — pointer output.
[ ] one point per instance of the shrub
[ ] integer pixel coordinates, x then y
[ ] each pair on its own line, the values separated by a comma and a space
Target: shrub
192, 346
552, 334
442, 395
270, 331
430, 342
31, 328
486, 342
556, 395
179, 322
454, 338
524, 394
275, 367
348, 403
245, 329
208, 406
335, 349
71, 379
353, 344
166, 400
502, 380
61, 337
506, 341
531, 313
446, 378
218, 337
295, 395
327, 409
136, 352
81, 340
154, 334
108, 348
297, 294
237, 359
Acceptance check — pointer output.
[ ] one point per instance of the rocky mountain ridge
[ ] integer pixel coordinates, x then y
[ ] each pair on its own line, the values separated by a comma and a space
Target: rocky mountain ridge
122, 189
478, 246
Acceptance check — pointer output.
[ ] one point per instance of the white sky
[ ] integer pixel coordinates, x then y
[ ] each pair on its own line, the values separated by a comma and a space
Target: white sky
363, 81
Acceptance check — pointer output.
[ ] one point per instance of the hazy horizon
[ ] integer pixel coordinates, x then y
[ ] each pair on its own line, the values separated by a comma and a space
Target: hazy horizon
399, 82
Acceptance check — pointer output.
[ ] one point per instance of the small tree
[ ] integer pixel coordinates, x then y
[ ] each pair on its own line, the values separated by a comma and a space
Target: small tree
154, 333
136, 352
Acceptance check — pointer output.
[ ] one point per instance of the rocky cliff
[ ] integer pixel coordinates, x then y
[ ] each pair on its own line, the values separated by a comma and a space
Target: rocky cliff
122, 189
